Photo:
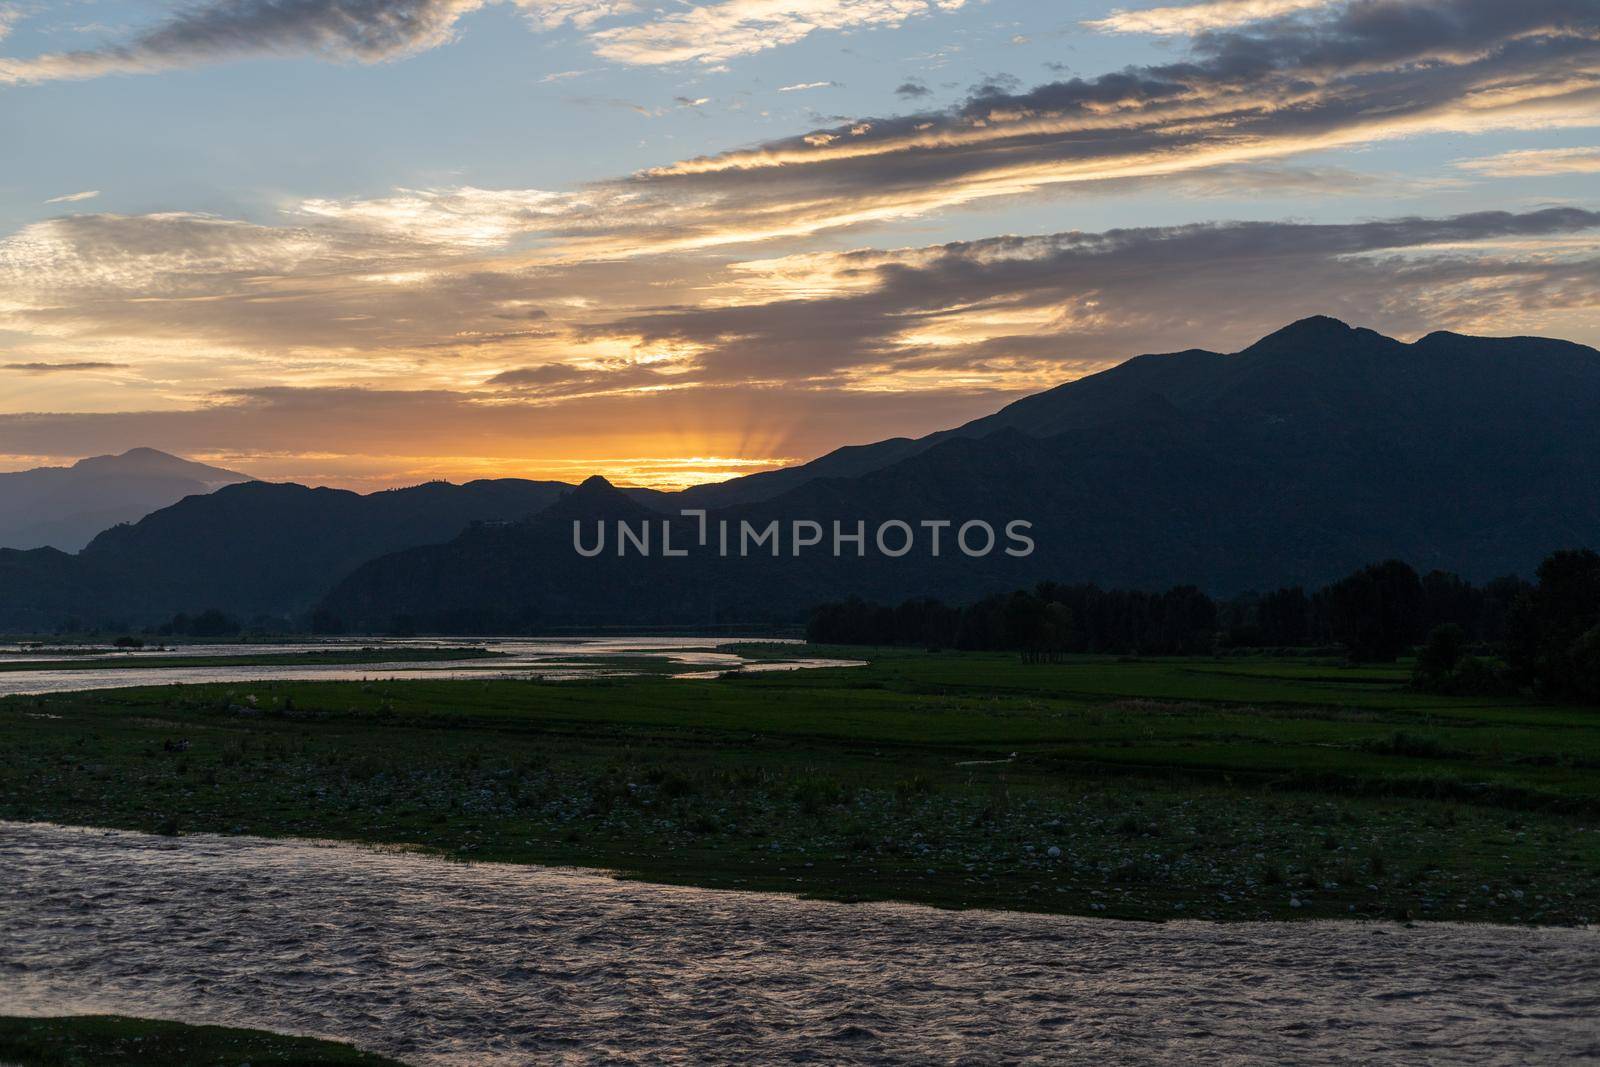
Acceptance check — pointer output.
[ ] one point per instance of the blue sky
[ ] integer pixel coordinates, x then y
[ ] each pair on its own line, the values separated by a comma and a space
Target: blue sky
364, 242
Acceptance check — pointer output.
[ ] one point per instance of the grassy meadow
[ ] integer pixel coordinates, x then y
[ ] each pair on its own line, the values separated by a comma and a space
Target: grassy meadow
1232, 788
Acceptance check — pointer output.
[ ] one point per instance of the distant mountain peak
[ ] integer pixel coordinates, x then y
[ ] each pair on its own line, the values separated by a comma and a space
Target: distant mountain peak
1323, 335
66, 506
1318, 325
595, 498
1313, 331
142, 461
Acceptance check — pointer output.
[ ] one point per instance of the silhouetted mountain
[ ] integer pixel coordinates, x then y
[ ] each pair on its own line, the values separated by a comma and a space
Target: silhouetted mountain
1313, 451
1270, 373
63, 507
520, 576
255, 548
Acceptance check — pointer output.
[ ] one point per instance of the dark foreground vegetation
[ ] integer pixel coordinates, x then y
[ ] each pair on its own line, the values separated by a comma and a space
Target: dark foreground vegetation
118, 1041
1504, 637
1202, 787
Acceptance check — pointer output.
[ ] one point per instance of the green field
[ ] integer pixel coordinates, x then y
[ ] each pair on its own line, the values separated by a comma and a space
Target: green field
118, 1041
1233, 788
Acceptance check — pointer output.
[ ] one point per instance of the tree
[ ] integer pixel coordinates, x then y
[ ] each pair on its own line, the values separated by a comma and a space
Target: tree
1376, 613
1439, 658
209, 623
1551, 642
1584, 659
1285, 617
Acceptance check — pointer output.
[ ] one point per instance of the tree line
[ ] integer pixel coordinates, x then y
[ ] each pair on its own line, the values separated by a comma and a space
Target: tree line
1508, 634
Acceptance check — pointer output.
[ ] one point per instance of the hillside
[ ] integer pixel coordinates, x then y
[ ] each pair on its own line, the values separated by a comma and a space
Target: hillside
1316, 449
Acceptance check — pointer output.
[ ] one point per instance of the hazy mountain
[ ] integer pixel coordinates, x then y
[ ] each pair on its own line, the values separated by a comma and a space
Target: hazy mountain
253, 548
63, 507
1314, 450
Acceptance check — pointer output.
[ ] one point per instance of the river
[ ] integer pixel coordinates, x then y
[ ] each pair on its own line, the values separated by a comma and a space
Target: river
443, 963
553, 659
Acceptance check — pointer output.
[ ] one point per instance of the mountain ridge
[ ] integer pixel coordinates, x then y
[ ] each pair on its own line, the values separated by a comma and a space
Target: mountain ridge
1317, 449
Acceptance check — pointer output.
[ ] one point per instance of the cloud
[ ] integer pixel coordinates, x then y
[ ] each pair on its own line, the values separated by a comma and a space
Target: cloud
58, 368
621, 364
1536, 163
1189, 19
567, 381
374, 31
363, 31
73, 198
160, 254
1370, 71
463, 217
912, 89
717, 32
1004, 312
803, 86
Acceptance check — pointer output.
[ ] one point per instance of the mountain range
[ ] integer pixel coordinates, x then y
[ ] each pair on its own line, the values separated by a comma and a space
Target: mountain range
64, 507
256, 548
1317, 449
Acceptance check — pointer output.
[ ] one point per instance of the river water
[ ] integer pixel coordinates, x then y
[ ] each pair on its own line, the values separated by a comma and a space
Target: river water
551, 659
453, 964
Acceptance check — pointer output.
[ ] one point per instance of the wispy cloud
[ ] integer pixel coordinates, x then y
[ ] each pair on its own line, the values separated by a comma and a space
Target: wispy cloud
1002, 311
463, 217
1536, 163
1190, 19
1371, 71
718, 32
1243, 100
803, 86
58, 368
73, 198
906, 339
373, 31
364, 31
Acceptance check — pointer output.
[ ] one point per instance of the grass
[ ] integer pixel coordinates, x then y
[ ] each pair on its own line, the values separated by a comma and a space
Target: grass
1143, 789
115, 1040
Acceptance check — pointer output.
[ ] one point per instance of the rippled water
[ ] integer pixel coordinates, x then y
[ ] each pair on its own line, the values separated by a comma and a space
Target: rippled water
566, 658
444, 963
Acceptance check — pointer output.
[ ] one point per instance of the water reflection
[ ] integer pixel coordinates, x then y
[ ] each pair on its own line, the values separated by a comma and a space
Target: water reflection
443, 963
556, 659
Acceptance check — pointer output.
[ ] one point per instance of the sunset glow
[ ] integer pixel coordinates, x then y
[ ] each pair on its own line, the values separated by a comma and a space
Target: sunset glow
629, 230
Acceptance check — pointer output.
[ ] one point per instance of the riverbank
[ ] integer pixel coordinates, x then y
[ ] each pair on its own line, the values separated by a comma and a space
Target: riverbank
1163, 789
120, 1041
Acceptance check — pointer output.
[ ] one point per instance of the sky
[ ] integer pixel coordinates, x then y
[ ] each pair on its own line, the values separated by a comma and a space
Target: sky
367, 243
